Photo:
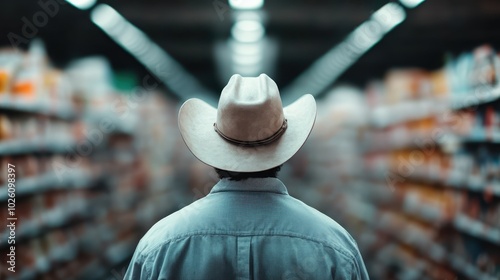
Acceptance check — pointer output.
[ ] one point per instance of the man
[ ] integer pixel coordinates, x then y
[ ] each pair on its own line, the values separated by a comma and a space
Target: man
248, 227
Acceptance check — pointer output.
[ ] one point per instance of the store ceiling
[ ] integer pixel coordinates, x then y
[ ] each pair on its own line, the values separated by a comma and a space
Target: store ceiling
305, 30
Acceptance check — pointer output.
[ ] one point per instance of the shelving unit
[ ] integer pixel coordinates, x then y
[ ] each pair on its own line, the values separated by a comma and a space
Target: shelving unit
481, 96
84, 194
425, 190
431, 178
42, 108
477, 229
77, 179
53, 145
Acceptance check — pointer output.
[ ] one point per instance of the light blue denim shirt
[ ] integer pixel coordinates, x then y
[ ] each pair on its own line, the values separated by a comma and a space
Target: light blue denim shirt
249, 229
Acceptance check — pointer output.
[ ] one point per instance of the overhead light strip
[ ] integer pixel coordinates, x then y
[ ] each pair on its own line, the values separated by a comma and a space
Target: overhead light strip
330, 66
82, 4
246, 4
411, 3
149, 54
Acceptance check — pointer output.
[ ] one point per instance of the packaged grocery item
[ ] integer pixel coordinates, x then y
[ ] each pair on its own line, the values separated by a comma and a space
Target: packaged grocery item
5, 128
29, 81
485, 70
32, 167
491, 123
458, 72
59, 89
439, 84
4, 160
25, 126
459, 186
406, 84
25, 84
10, 62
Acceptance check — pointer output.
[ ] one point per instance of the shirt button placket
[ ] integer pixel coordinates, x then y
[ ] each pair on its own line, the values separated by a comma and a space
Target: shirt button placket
243, 264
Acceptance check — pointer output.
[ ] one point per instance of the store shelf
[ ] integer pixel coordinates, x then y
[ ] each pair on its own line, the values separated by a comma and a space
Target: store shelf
458, 180
95, 270
411, 110
88, 221
48, 221
120, 252
399, 143
455, 180
467, 269
483, 139
476, 98
475, 187
121, 124
427, 213
477, 229
460, 222
380, 196
37, 145
61, 111
114, 255
387, 257
426, 248
434, 216
50, 181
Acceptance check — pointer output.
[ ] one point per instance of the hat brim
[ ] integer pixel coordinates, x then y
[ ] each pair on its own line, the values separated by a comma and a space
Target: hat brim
196, 119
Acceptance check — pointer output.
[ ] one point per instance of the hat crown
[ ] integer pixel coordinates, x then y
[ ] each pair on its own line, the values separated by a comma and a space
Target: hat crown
250, 108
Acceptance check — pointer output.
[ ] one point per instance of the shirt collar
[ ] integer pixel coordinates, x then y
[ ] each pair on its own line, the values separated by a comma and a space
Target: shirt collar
273, 185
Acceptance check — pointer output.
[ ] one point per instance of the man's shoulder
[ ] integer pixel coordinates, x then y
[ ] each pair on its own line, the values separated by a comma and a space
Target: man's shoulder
298, 219
170, 227
321, 227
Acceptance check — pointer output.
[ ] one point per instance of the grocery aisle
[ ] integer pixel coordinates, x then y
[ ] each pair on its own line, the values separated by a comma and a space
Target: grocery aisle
426, 203
405, 152
86, 168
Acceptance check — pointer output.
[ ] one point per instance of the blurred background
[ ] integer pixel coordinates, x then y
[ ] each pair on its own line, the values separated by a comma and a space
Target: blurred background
405, 152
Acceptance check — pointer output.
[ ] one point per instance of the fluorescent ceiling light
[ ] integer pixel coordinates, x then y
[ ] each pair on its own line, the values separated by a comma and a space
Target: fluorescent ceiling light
245, 48
389, 16
247, 70
82, 4
330, 66
409, 3
153, 57
363, 38
105, 17
246, 4
247, 31
246, 59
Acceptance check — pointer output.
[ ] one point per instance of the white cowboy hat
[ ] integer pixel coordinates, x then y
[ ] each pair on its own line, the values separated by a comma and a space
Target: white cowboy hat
250, 130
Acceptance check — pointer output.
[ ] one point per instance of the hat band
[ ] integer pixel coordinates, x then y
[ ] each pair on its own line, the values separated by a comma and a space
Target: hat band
256, 143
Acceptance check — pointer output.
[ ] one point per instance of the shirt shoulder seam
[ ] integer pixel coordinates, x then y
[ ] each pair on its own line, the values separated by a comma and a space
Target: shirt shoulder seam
333, 246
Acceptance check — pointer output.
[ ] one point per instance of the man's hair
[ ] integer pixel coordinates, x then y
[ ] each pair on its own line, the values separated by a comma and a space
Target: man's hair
238, 176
